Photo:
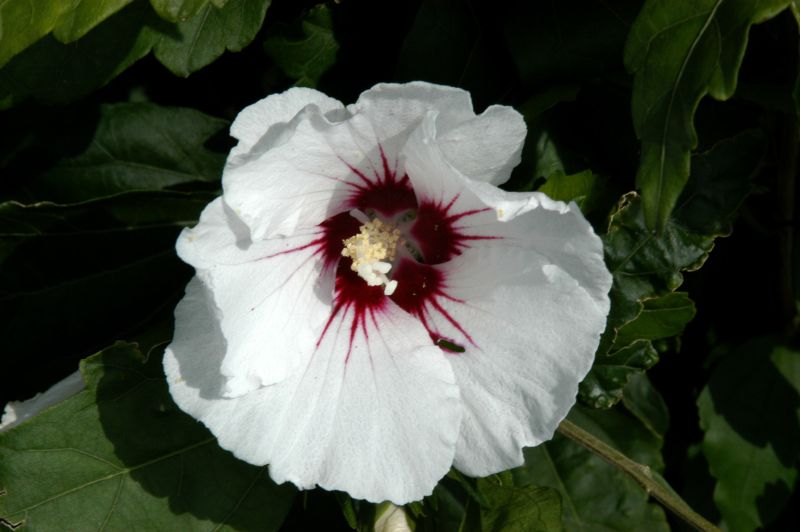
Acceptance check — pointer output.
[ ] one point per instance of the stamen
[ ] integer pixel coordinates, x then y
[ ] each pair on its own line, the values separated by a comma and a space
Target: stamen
371, 250
360, 216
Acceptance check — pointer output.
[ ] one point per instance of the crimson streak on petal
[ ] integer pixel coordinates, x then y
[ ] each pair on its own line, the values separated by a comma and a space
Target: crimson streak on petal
436, 233
419, 289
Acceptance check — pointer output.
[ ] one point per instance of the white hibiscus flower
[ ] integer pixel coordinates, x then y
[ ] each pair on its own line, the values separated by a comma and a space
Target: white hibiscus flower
369, 308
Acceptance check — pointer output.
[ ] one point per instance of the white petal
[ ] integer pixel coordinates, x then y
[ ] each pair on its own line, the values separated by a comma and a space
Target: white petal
269, 295
253, 122
535, 306
306, 179
487, 147
395, 109
379, 423
270, 310
528, 304
18, 411
219, 237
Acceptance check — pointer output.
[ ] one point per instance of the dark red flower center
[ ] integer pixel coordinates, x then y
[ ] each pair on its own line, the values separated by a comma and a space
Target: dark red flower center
432, 236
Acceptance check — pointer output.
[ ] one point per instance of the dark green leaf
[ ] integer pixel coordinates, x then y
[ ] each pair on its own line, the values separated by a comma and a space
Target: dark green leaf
348, 509
721, 180
661, 317
678, 52
595, 495
604, 385
136, 147
750, 412
519, 509
306, 57
446, 510
646, 403
121, 456
193, 44
547, 98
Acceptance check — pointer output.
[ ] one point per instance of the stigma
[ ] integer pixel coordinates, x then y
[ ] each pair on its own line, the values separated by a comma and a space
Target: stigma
372, 251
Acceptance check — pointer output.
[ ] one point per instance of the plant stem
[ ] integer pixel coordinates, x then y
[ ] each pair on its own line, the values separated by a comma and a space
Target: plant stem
649, 480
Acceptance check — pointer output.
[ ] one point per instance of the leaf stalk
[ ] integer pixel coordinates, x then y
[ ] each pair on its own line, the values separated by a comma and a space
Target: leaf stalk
650, 481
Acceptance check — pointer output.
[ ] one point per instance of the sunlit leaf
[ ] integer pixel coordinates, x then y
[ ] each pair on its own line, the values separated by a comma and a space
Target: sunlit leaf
584, 188
23, 22
56, 72
678, 52
121, 456
750, 413
40, 19
307, 57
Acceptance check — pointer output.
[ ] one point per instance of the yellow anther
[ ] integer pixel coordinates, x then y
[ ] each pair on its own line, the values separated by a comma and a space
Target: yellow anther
371, 250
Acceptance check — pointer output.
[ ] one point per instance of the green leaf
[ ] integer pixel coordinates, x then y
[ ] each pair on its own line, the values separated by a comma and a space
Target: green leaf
87, 14
522, 509
178, 10
661, 317
645, 402
678, 52
647, 265
23, 22
121, 456
57, 73
603, 386
750, 413
547, 98
195, 43
307, 56
584, 188
595, 495
136, 146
